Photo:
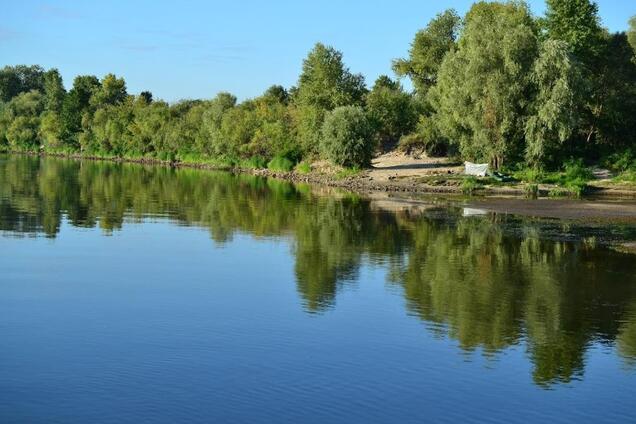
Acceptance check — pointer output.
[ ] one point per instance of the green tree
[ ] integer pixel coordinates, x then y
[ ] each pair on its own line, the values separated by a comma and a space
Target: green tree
54, 91
428, 50
75, 105
391, 111
482, 92
324, 84
22, 116
347, 138
111, 91
556, 108
577, 23
19, 79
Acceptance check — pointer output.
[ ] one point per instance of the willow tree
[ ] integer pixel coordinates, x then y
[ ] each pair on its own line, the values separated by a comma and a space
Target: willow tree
555, 111
481, 97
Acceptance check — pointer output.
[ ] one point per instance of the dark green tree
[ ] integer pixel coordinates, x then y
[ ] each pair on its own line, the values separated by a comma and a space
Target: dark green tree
428, 50
391, 111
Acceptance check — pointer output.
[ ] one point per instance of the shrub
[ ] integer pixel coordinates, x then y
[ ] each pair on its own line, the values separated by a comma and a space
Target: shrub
255, 162
280, 163
470, 185
346, 137
532, 191
303, 168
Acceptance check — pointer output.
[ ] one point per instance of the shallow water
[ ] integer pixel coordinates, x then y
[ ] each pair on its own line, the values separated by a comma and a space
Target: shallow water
147, 294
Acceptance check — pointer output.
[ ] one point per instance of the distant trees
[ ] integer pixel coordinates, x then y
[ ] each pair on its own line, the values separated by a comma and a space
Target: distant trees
19, 79
496, 85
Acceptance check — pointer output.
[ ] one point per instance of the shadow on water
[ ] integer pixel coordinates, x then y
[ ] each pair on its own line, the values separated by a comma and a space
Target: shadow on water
489, 282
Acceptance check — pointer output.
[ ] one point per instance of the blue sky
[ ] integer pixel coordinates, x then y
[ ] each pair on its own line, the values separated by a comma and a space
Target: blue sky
193, 49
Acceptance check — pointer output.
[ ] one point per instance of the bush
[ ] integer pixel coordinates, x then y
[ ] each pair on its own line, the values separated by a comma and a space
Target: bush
621, 162
529, 175
347, 137
255, 162
303, 168
280, 163
470, 185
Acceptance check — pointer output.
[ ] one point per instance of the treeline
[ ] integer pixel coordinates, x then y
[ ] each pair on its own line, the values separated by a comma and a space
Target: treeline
498, 85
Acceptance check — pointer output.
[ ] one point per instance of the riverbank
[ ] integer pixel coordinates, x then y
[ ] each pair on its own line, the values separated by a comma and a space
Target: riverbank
392, 173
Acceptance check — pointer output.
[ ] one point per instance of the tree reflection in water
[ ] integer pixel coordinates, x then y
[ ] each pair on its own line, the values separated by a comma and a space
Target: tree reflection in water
488, 282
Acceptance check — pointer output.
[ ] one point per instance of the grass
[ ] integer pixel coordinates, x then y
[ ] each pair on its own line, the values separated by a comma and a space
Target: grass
280, 163
303, 168
532, 191
572, 180
470, 185
347, 173
255, 162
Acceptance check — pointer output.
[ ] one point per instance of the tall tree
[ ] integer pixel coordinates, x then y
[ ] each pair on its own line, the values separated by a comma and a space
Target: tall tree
390, 110
428, 50
76, 104
54, 91
555, 112
577, 23
482, 94
324, 84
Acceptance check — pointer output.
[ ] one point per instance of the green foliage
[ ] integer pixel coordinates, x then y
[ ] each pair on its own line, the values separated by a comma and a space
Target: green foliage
324, 84
470, 185
15, 80
532, 191
54, 91
255, 162
481, 96
496, 86
346, 137
345, 173
621, 162
427, 138
280, 163
577, 23
428, 50
555, 114
390, 110
112, 91
303, 168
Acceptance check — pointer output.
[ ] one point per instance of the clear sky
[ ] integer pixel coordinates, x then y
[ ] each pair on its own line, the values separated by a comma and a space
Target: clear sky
193, 49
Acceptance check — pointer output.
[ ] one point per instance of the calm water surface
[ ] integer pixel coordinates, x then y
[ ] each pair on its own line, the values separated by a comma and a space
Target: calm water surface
136, 294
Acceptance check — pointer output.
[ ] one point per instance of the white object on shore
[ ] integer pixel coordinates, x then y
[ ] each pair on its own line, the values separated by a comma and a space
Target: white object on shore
476, 169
